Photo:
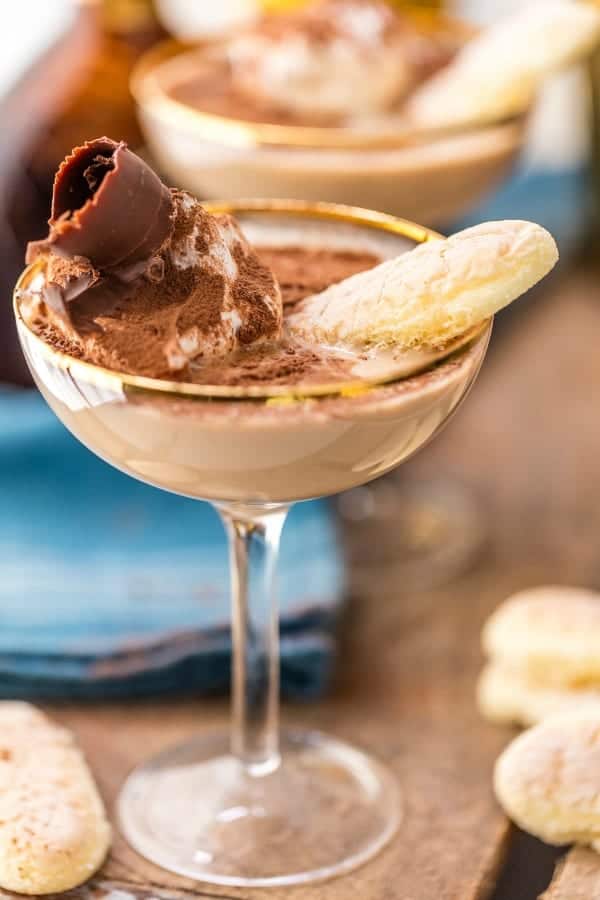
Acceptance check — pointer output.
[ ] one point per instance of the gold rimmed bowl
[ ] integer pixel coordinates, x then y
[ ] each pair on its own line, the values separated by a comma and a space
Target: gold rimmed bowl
261, 444
432, 176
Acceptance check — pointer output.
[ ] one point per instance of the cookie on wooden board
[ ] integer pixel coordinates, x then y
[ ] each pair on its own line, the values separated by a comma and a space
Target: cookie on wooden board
548, 779
508, 696
551, 634
54, 833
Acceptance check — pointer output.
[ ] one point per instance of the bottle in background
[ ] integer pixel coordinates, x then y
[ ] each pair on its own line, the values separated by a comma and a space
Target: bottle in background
76, 89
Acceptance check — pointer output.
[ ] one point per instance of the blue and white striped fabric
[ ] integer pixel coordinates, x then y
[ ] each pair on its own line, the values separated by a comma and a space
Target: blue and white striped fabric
112, 588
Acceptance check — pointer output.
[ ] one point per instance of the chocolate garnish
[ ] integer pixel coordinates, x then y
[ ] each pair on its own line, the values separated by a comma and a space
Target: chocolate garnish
141, 277
109, 207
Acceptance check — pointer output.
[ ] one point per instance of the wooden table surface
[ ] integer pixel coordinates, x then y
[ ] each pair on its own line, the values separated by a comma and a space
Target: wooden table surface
528, 443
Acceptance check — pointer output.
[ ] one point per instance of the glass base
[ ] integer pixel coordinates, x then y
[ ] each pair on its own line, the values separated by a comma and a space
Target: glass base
196, 811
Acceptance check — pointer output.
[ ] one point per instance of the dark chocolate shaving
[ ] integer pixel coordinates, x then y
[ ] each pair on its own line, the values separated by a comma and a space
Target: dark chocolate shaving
97, 170
109, 207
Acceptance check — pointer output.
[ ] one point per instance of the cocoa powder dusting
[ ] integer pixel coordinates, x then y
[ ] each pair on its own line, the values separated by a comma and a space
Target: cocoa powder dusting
204, 294
302, 271
124, 329
254, 282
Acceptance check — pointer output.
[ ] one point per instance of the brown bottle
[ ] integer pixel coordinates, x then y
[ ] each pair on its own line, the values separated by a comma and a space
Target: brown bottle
78, 89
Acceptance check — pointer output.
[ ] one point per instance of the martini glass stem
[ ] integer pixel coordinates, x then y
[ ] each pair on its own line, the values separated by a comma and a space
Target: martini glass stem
254, 537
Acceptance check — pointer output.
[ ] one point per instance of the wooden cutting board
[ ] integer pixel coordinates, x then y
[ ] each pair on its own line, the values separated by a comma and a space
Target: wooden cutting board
528, 443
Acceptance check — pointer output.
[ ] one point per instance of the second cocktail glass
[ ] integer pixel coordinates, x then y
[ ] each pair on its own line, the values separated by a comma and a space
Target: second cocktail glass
254, 808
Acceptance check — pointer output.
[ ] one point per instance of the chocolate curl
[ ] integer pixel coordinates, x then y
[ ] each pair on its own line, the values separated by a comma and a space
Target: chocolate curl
109, 207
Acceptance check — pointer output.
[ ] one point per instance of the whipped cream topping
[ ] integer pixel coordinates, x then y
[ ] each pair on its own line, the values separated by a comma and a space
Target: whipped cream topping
140, 277
246, 306
335, 58
204, 295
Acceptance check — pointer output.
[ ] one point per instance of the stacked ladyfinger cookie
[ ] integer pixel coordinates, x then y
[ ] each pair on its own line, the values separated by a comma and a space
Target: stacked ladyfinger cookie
543, 670
543, 650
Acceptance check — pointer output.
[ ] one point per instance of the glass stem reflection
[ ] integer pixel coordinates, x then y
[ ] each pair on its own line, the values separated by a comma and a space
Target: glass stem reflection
254, 537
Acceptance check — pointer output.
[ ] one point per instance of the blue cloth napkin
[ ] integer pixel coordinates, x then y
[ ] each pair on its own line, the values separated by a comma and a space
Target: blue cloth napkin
111, 588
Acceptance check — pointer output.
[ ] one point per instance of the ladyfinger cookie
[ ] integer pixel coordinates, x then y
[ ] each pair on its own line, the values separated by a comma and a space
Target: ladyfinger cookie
551, 634
433, 293
497, 74
509, 696
548, 779
53, 829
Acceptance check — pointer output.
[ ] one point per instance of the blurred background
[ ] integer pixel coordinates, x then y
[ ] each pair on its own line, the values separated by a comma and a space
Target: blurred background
65, 71
64, 77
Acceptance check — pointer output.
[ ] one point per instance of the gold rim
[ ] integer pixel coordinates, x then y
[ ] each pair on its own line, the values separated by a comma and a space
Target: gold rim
108, 378
150, 95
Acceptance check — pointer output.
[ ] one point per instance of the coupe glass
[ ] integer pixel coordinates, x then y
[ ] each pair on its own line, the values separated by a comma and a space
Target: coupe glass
254, 807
